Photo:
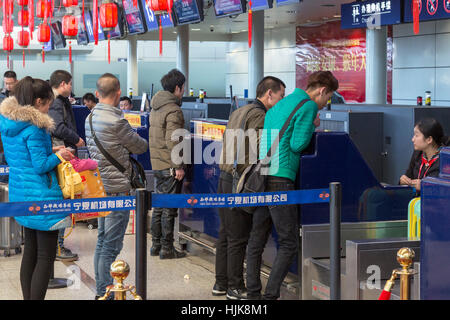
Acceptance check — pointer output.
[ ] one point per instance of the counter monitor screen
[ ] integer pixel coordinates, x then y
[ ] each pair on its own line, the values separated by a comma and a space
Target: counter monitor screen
150, 18
90, 27
82, 36
58, 39
133, 17
188, 11
225, 8
286, 2
261, 4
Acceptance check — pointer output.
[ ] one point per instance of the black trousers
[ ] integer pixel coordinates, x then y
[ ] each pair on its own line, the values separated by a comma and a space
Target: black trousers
37, 262
163, 219
286, 222
234, 231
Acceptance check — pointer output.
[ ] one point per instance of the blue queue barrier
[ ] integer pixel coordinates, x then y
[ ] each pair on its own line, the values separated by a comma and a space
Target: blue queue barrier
145, 200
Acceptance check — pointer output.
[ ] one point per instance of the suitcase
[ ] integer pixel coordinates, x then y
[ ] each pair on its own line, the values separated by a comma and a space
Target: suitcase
10, 231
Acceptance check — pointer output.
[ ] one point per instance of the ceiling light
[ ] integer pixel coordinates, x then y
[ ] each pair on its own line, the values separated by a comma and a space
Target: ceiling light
195, 29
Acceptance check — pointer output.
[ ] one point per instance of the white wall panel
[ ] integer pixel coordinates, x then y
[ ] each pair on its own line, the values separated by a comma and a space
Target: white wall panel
443, 50
442, 84
418, 51
410, 83
405, 30
443, 26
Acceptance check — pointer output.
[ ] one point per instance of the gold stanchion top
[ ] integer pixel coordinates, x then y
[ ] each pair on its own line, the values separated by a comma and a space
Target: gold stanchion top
405, 257
119, 270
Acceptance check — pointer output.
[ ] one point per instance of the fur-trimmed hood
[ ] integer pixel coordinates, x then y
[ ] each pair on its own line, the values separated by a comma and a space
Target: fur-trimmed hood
17, 117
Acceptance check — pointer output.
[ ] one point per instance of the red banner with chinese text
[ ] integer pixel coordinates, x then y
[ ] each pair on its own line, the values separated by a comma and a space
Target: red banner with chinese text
343, 52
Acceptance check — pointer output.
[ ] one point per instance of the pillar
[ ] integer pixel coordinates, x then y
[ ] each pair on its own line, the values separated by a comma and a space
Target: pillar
183, 54
376, 65
256, 54
132, 67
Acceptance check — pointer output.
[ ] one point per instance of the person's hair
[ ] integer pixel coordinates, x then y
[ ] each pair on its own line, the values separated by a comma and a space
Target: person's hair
28, 90
59, 76
10, 74
173, 79
107, 85
430, 127
322, 79
267, 83
90, 97
125, 98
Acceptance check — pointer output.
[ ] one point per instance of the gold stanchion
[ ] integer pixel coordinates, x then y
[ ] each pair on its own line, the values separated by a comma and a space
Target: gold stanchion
119, 271
405, 258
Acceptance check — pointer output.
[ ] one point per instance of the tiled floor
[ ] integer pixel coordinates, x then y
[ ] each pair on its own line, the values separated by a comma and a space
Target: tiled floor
189, 278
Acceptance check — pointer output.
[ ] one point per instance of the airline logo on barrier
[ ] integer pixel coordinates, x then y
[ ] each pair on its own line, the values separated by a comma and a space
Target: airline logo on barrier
192, 201
34, 208
324, 195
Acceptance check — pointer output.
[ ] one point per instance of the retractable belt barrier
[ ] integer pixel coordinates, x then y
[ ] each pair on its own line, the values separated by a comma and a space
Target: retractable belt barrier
144, 201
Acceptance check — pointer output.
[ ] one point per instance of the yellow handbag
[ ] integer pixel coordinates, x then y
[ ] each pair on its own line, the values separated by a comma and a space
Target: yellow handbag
69, 180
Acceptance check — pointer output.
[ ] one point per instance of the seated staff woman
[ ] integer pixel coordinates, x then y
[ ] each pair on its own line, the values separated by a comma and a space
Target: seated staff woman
428, 139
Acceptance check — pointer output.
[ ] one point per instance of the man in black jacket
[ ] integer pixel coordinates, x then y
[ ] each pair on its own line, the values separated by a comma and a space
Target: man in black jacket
65, 133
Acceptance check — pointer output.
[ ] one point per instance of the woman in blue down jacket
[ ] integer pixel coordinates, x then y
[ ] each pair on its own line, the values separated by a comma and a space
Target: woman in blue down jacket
25, 127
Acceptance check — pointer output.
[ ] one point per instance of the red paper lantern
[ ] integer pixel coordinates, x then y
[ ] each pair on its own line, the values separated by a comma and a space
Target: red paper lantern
23, 18
42, 8
108, 16
23, 39
8, 43
22, 2
8, 25
10, 6
70, 3
159, 6
70, 26
43, 33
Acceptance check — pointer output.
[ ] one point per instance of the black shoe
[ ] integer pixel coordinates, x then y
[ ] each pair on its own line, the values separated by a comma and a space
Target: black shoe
254, 297
237, 294
218, 290
64, 254
171, 254
154, 250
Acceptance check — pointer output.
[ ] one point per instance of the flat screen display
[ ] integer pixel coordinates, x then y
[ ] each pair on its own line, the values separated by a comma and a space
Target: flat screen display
58, 39
166, 22
133, 17
48, 46
188, 11
225, 8
118, 31
90, 27
150, 18
82, 36
261, 4
286, 2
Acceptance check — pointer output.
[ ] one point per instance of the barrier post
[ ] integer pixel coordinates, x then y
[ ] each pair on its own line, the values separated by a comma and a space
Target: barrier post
143, 204
335, 240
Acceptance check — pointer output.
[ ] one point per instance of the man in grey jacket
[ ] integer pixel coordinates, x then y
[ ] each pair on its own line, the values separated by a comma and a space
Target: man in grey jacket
119, 140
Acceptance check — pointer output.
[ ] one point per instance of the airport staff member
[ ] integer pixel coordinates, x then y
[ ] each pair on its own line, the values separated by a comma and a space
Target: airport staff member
283, 169
235, 224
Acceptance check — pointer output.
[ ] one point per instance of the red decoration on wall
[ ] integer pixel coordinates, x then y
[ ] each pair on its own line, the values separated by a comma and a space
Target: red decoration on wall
416, 14
22, 2
69, 3
70, 30
8, 43
31, 18
250, 24
8, 26
43, 33
160, 37
42, 9
23, 40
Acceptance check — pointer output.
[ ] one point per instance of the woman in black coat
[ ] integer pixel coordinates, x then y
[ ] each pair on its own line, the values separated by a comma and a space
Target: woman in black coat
428, 140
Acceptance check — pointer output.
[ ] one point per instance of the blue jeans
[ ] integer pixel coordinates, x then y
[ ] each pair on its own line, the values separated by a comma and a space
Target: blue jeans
111, 231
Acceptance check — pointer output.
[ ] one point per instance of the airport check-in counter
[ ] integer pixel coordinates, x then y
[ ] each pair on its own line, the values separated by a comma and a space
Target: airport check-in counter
370, 210
398, 129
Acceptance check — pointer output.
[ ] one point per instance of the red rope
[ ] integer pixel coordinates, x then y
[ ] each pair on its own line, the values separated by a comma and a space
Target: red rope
160, 37
109, 48
250, 24
416, 14
70, 52
43, 54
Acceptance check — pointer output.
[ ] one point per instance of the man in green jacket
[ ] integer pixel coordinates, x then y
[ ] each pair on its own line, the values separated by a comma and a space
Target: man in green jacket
283, 168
